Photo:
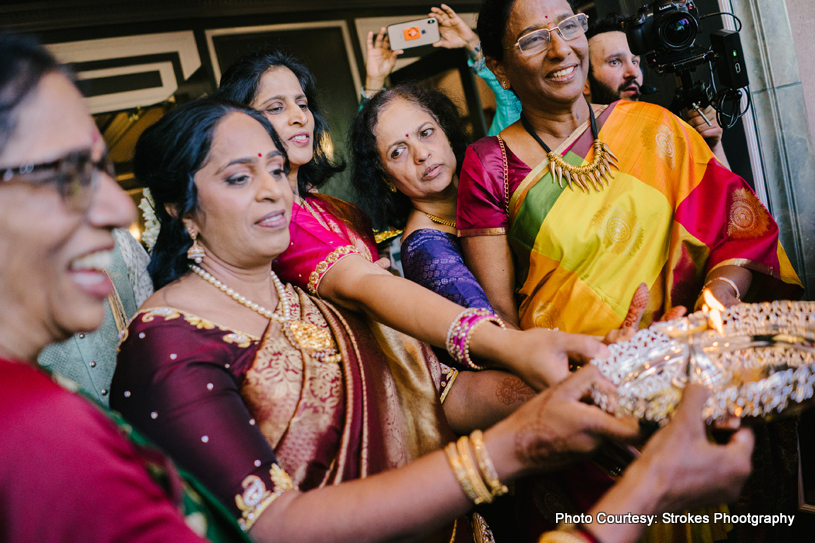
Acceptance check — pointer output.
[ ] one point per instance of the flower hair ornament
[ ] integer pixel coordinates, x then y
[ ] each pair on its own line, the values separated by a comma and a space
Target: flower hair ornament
151, 223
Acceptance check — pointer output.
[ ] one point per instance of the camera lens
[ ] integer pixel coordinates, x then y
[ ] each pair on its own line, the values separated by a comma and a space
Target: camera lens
678, 31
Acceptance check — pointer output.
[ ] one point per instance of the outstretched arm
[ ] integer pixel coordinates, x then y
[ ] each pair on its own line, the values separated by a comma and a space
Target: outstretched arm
664, 479
538, 356
409, 503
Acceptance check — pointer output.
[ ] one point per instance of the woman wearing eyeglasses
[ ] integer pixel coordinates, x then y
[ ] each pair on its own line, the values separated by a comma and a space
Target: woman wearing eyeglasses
569, 210
68, 472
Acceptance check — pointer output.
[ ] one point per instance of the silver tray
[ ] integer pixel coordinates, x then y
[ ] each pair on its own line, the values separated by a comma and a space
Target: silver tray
762, 365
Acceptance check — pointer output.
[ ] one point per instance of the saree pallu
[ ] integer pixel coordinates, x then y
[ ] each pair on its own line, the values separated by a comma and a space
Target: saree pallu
378, 409
670, 216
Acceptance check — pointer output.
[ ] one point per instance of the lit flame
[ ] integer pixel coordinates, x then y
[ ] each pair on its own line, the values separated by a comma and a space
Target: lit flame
714, 310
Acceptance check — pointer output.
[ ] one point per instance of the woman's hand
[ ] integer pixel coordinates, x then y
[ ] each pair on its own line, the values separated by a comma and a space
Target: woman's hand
454, 31
541, 357
557, 428
679, 469
705, 472
631, 323
380, 60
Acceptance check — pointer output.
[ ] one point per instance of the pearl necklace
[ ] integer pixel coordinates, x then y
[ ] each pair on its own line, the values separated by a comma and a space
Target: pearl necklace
278, 285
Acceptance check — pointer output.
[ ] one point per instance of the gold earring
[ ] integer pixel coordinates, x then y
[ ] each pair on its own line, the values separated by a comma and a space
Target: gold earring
391, 186
195, 253
505, 85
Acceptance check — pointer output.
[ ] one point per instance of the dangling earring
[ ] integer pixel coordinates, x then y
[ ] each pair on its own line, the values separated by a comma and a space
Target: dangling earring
391, 186
195, 253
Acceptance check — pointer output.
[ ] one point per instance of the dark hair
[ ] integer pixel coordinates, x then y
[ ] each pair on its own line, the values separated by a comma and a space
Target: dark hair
23, 62
387, 208
493, 18
612, 22
240, 84
168, 155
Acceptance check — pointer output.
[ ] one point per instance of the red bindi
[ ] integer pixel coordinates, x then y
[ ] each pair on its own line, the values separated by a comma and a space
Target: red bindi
407, 136
260, 155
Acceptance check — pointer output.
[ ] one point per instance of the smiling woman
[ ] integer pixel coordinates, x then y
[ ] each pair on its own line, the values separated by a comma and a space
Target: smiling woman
595, 201
59, 205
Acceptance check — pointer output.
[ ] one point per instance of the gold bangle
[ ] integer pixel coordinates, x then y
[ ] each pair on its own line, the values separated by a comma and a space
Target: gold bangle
485, 465
483, 494
729, 282
458, 469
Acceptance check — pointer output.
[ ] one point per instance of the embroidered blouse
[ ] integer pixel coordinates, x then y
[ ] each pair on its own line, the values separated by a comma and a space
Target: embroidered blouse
323, 231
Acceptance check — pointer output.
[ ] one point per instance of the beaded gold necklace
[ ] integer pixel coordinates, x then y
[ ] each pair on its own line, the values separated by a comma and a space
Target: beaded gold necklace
596, 173
303, 336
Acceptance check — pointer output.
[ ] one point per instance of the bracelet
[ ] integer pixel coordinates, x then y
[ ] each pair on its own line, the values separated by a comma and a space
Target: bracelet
458, 470
485, 464
477, 484
457, 327
467, 359
728, 281
462, 328
476, 51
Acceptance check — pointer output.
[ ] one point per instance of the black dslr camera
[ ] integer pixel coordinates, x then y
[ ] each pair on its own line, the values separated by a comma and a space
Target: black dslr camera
664, 28
665, 33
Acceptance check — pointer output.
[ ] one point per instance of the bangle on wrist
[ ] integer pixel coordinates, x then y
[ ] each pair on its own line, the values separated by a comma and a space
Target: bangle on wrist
729, 282
485, 465
461, 330
457, 466
483, 495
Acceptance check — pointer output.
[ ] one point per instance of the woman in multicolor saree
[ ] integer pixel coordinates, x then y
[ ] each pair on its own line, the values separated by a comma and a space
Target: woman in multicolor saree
332, 251
647, 204
259, 403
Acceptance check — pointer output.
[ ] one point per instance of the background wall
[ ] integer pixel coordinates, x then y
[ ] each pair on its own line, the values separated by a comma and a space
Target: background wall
802, 20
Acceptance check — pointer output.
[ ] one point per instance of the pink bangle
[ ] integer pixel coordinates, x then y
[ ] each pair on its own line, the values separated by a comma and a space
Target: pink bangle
460, 331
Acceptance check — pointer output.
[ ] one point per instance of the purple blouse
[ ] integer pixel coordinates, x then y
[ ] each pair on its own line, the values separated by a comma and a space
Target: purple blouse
433, 259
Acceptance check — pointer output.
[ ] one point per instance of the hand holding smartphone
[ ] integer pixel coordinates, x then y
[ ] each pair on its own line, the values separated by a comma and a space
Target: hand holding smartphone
413, 33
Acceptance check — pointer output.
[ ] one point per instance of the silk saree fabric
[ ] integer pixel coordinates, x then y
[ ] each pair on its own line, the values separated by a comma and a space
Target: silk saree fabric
253, 417
671, 215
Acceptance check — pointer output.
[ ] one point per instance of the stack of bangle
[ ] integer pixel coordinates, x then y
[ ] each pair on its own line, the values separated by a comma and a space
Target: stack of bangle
462, 328
472, 481
729, 282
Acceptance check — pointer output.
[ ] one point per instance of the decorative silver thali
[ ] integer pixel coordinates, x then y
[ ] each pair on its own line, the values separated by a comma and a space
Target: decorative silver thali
761, 365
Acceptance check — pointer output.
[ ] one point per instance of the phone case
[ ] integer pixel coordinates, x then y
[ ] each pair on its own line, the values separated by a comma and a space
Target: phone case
413, 33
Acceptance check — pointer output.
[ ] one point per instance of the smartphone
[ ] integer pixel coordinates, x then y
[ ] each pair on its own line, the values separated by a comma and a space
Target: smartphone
413, 33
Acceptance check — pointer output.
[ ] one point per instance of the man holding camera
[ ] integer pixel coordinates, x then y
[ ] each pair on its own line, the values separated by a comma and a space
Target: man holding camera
615, 74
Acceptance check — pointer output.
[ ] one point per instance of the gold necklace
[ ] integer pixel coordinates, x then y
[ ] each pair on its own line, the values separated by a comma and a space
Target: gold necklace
596, 173
303, 336
439, 220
